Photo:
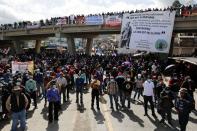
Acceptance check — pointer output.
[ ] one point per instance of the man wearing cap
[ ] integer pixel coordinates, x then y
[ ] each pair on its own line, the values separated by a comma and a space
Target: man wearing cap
183, 106
79, 89
112, 90
53, 97
128, 87
39, 78
95, 85
31, 88
47, 80
165, 105
120, 79
138, 86
17, 103
61, 84
189, 85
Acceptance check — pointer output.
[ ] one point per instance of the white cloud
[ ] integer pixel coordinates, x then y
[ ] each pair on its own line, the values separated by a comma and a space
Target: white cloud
35, 10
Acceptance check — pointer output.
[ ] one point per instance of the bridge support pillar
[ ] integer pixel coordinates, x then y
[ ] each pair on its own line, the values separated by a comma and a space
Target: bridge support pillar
71, 45
172, 45
89, 46
38, 46
17, 46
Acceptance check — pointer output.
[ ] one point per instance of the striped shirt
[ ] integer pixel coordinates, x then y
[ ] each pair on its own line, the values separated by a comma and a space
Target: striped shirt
112, 87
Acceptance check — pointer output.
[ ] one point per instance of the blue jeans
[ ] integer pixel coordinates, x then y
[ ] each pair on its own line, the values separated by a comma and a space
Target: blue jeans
40, 87
19, 116
79, 91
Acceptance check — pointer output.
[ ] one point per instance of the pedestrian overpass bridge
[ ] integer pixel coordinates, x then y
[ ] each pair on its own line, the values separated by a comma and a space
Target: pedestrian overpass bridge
182, 25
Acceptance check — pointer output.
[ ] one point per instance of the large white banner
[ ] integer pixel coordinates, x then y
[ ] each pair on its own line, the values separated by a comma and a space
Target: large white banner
22, 66
148, 31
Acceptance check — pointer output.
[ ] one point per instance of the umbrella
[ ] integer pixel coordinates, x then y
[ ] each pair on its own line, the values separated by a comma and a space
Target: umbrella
139, 54
126, 63
169, 69
172, 66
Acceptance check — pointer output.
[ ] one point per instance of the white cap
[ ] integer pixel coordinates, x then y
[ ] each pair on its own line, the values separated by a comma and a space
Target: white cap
139, 75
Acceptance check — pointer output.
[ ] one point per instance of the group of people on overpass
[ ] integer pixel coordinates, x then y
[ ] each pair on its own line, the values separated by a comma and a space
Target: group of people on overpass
117, 76
79, 19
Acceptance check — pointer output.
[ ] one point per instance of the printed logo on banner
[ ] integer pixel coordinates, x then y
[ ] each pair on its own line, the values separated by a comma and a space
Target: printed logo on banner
161, 45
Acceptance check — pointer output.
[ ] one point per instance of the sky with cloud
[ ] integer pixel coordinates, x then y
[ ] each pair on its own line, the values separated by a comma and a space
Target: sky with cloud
34, 10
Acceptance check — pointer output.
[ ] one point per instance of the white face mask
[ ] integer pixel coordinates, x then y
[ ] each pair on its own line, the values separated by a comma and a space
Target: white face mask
18, 83
54, 86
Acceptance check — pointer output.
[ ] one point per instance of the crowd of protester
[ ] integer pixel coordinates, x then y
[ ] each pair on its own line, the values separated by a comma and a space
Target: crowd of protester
79, 19
55, 75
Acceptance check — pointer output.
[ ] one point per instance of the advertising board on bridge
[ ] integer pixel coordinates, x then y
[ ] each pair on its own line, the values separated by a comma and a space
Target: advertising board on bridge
62, 21
34, 25
113, 21
5, 50
148, 31
80, 20
94, 20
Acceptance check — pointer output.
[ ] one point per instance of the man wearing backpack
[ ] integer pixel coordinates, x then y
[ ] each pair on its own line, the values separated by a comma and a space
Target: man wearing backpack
31, 88
95, 85
17, 103
53, 97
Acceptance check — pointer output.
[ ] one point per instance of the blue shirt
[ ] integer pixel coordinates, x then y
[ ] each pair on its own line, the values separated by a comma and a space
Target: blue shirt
79, 83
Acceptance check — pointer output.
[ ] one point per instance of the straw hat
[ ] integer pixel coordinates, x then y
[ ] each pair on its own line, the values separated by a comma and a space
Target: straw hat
16, 88
184, 90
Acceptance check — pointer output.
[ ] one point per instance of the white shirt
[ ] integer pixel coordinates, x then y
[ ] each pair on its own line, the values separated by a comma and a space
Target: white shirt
148, 88
154, 67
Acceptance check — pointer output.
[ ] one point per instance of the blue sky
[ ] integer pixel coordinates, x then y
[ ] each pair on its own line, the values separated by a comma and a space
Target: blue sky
34, 10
